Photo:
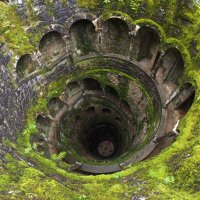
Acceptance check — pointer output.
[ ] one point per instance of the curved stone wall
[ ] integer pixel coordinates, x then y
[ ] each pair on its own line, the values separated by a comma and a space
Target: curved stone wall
140, 108
95, 93
102, 46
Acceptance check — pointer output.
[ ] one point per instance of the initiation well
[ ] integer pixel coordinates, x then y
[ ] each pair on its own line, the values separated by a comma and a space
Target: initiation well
116, 104
99, 99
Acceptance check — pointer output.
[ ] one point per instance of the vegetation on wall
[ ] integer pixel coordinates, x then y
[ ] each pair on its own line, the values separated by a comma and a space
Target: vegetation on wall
12, 31
174, 174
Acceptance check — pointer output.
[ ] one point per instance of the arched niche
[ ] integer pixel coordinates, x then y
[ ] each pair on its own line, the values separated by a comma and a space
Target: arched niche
112, 92
115, 37
126, 107
185, 98
91, 84
43, 124
148, 46
54, 106
74, 85
72, 89
172, 66
106, 111
40, 138
91, 111
83, 37
25, 66
118, 119
52, 48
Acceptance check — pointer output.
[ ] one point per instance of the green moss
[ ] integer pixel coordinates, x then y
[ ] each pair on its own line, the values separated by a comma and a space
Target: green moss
89, 4
31, 183
115, 13
31, 13
150, 4
174, 174
171, 7
153, 25
163, 179
12, 31
13, 34
64, 2
175, 43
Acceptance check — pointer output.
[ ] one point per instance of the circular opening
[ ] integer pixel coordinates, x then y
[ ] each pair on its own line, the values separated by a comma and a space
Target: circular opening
91, 84
106, 111
98, 123
119, 120
104, 125
90, 111
102, 140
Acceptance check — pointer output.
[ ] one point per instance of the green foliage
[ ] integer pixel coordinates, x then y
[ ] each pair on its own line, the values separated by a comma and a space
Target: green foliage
109, 1
169, 179
83, 197
58, 157
89, 4
12, 31
135, 5
28, 150
117, 176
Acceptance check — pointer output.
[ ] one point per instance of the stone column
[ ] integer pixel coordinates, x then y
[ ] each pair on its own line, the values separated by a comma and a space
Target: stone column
98, 28
179, 96
183, 96
158, 64
134, 43
173, 95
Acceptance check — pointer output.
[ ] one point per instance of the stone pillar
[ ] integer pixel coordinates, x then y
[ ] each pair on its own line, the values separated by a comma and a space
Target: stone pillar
134, 43
183, 96
76, 166
98, 28
158, 64
179, 96
173, 95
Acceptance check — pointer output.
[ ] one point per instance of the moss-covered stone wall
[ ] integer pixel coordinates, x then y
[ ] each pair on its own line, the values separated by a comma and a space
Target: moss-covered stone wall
26, 174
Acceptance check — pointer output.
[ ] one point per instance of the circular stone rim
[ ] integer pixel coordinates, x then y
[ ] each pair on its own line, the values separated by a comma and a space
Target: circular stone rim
158, 130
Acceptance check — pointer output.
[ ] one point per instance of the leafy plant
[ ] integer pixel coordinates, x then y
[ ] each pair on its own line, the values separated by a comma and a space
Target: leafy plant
58, 157
169, 179
134, 5
28, 150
